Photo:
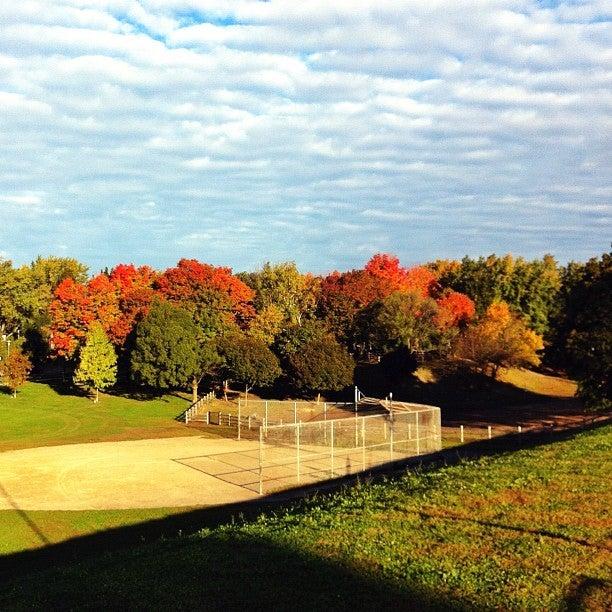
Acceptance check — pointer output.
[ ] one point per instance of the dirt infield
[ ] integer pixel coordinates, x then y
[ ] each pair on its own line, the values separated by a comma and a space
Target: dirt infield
107, 475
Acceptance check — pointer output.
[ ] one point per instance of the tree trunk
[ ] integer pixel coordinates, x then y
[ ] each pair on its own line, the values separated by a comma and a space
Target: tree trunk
194, 390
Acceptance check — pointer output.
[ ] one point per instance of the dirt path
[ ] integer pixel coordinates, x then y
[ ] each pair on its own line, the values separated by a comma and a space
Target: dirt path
105, 475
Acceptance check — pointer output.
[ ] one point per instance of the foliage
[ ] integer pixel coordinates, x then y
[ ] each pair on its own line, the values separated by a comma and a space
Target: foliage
401, 319
499, 339
97, 361
284, 288
166, 353
321, 364
266, 324
26, 292
249, 360
528, 287
214, 296
454, 309
294, 337
14, 370
584, 329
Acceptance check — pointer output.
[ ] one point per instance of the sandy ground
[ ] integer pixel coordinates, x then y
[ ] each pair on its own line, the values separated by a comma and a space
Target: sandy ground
104, 475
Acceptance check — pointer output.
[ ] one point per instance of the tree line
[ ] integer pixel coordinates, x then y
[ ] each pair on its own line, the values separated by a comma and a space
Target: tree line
278, 326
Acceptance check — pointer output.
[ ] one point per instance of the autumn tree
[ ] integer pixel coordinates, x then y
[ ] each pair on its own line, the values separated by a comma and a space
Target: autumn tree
321, 364
249, 361
528, 287
283, 287
215, 298
500, 338
97, 367
14, 370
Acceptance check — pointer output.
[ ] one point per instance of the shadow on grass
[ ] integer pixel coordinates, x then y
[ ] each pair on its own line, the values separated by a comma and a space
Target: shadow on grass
465, 396
221, 571
226, 569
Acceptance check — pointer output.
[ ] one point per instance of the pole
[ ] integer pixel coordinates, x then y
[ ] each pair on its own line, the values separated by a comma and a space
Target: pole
356, 431
461, 431
295, 413
363, 444
297, 443
266, 415
239, 413
260, 461
417, 434
391, 439
331, 437
489, 431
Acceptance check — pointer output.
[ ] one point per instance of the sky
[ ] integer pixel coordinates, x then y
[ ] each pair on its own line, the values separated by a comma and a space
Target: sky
238, 132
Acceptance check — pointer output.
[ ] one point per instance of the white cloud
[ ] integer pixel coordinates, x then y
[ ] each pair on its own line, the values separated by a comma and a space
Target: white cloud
250, 130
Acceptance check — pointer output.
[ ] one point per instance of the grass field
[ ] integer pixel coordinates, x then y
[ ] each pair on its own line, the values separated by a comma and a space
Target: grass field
43, 416
522, 530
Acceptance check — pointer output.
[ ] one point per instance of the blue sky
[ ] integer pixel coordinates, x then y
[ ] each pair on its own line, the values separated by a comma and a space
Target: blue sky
238, 132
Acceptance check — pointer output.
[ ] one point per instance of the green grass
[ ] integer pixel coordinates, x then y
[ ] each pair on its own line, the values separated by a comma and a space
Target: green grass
42, 416
522, 530
31, 529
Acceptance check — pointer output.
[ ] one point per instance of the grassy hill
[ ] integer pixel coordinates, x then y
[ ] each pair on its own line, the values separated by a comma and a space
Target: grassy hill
522, 530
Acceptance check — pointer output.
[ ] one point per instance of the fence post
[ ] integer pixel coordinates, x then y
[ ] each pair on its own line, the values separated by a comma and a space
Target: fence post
295, 413
260, 461
417, 434
489, 431
461, 430
409, 431
249, 421
363, 444
208, 417
356, 431
266, 415
325, 419
391, 439
331, 437
239, 414
297, 444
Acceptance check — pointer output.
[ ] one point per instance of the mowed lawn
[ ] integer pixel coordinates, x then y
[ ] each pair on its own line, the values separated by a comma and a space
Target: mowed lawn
43, 416
528, 529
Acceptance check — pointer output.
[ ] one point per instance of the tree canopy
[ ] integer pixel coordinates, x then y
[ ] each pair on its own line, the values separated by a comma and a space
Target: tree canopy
166, 353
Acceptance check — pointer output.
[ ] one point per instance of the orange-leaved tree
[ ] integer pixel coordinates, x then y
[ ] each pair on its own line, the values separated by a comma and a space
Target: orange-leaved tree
499, 338
14, 370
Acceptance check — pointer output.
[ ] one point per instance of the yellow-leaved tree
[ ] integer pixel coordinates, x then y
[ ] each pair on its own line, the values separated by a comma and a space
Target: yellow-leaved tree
499, 338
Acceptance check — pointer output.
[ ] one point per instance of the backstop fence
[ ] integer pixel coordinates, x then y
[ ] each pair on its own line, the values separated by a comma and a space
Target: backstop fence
307, 452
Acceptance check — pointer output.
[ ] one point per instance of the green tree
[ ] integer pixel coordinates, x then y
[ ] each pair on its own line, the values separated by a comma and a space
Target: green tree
14, 370
168, 353
401, 319
584, 329
528, 287
284, 287
97, 367
321, 364
249, 361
